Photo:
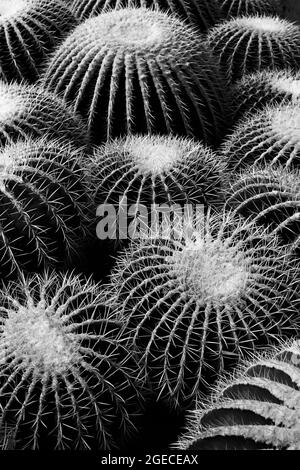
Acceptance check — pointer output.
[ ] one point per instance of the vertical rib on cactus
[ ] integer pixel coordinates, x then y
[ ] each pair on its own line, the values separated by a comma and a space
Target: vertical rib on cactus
195, 304
141, 71
233, 8
251, 44
66, 380
29, 31
269, 136
256, 409
29, 111
44, 206
200, 13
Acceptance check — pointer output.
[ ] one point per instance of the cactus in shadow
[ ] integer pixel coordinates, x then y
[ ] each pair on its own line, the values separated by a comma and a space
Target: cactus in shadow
141, 71
269, 136
44, 206
255, 91
67, 381
29, 111
250, 44
233, 8
194, 301
258, 408
29, 31
269, 197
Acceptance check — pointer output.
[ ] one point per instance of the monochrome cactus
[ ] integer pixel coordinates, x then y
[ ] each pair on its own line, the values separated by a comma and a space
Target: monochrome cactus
250, 44
268, 136
45, 206
29, 111
136, 70
258, 408
269, 197
29, 31
233, 8
254, 91
195, 302
67, 381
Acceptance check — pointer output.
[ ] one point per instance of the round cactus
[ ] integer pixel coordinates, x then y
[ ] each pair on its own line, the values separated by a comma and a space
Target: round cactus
29, 31
269, 197
44, 206
271, 135
233, 8
141, 71
253, 92
256, 409
194, 303
200, 13
29, 111
66, 379
251, 44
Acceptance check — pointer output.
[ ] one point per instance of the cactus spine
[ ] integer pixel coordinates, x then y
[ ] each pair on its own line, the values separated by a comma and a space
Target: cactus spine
233, 8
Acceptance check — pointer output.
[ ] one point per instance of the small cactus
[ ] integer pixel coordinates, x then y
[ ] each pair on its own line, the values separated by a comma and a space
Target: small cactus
253, 92
141, 71
233, 8
44, 206
29, 31
269, 136
200, 13
259, 408
195, 304
66, 380
269, 197
250, 44
29, 111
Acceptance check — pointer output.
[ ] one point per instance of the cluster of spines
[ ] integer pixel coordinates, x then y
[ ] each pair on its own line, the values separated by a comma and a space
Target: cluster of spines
256, 409
136, 70
234, 8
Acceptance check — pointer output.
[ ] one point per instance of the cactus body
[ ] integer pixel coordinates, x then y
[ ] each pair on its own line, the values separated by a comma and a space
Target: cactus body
140, 71
259, 408
269, 136
250, 44
29, 31
29, 111
44, 206
195, 304
66, 380
233, 8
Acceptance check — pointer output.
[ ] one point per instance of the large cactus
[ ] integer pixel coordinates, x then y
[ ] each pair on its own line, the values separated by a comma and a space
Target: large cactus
233, 8
66, 380
141, 71
29, 31
259, 408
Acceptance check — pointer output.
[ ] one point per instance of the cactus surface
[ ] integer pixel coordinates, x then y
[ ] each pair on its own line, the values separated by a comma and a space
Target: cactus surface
66, 379
29, 31
259, 408
141, 71
250, 44
233, 8
195, 304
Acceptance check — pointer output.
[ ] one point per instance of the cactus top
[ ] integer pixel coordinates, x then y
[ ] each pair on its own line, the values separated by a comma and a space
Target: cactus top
285, 122
266, 24
9, 9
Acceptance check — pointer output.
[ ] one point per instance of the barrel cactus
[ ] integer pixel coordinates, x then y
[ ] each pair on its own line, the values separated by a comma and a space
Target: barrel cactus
251, 44
140, 71
254, 91
29, 111
44, 206
269, 197
29, 31
195, 303
233, 8
67, 381
259, 408
269, 136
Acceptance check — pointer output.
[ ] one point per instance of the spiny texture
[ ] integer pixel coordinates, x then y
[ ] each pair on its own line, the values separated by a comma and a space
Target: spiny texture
27, 110
259, 408
195, 303
269, 136
253, 43
29, 31
269, 197
253, 92
141, 71
44, 206
200, 13
233, 8
65, 379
